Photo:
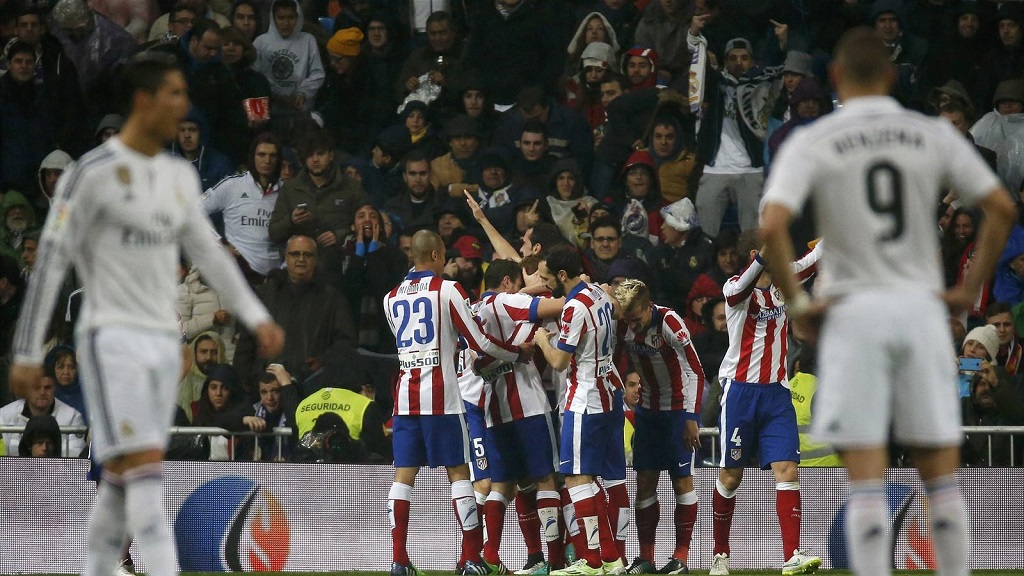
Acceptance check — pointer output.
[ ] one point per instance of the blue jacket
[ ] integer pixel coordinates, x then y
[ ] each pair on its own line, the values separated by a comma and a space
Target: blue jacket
1008, 287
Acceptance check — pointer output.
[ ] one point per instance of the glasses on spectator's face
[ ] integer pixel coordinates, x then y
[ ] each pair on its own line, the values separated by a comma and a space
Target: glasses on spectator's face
604, 239
297, 254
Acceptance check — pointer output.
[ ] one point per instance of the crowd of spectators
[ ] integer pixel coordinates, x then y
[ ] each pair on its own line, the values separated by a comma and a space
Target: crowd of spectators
326, 132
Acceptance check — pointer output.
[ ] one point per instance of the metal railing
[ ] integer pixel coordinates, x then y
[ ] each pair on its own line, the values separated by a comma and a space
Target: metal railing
285, 432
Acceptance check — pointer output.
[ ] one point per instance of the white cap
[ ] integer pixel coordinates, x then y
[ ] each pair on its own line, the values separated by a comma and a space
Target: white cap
680, 215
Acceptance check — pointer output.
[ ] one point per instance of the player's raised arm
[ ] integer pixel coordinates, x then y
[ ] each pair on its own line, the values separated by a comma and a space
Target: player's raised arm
775, 221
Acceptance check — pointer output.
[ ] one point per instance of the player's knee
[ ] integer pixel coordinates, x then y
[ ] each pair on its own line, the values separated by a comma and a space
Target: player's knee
785, 471
730, 477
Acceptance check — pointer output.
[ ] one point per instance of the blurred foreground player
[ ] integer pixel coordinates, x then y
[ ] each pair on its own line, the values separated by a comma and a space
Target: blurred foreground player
875, 171
120, 216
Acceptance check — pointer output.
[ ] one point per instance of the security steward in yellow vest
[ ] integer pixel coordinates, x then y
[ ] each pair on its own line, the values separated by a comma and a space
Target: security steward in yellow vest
802, 387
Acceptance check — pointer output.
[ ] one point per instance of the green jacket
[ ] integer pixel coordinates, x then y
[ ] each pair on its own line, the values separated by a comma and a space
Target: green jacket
333, 207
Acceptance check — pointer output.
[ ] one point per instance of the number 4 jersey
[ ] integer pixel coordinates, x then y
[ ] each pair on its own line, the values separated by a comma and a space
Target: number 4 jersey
875, 187
587, 331
427, 314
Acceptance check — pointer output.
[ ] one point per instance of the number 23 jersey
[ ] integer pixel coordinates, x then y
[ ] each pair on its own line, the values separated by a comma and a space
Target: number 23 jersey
876, 172
586, 330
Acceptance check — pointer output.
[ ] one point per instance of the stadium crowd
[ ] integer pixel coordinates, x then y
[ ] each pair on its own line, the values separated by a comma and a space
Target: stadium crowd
326, 134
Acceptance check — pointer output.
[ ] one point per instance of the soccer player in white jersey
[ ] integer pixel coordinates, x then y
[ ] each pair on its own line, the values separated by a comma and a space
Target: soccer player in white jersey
657, 345
427, 314
121, 213
246, 200
522, 446
876, 172
593, 421
757, 414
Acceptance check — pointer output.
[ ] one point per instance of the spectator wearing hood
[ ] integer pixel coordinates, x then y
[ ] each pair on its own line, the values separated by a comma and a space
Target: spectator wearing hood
1008, 285
110, 125
567, 131
457, 171
518, 44
475, 102
222, 404
41, 438
50, 169
39, 400
568, 203
285, 47
1002, 130
640, 65
808, 102
96, 45
907, 51
61, 364
238, 55
664, 27
961, 58
583, 89
683, 254
622, 16
500, 199
200, 310
343, 101
704, 290
1006, 60
423, 134
385, 51
191, 144
206, 351
639, 184
18, 217
798, 65
593, 27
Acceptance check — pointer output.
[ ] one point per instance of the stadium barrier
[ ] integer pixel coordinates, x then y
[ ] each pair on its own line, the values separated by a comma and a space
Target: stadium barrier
239, 516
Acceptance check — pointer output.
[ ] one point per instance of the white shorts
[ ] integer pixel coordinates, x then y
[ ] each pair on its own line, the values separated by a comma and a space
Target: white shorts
130, 379
886, 363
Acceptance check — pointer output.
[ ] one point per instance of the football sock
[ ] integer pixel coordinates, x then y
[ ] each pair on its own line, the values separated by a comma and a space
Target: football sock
618, 513
398, 512
685, 516
788, 508
144, 502
723, 503
527, 510
949, 526
609, 550
464, 503
867, 531
553, 525
588, 540
648, 514
106, 535
495, 505
569, 513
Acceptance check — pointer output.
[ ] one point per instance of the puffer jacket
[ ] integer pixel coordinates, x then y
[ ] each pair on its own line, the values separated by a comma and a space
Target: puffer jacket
196, 304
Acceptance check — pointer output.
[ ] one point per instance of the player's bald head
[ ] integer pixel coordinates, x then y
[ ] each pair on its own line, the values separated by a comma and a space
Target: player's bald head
424, 244
861, 59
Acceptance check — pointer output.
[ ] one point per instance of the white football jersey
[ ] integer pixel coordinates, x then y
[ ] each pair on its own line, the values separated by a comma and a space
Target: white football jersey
246, 209
876, 172
120, 217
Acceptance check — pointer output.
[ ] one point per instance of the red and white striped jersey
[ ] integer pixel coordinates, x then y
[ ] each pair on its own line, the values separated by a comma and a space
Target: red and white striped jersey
671, 376
471, 385
587, 332
758, 324
427, 314
516, 388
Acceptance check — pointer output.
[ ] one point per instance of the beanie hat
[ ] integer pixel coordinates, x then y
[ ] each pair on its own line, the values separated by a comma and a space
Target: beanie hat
680, 215
469, 248
346, 42
988, 338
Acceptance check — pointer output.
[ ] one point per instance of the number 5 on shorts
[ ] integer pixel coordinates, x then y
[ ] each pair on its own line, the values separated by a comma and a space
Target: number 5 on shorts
478, 447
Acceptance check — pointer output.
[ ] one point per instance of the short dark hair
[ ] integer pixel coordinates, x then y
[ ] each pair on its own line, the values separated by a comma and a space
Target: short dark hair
955, 106
617, 78
438, 16
605, 222
172, 14
20, 47
862, 56
284, 5
204, 25
547, 235
498, 269
415, 156
530, 97
534, 127
145, 72
565, 258
29, 11
316, 141
996, 308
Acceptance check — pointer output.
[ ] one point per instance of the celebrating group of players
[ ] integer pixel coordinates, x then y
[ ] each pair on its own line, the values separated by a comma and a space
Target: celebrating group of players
487, 419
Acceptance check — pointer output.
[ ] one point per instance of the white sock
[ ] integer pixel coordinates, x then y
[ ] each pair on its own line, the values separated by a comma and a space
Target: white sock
949, 526
398, 491
867, 529
548, 516
106, 536
144, 500
465, 504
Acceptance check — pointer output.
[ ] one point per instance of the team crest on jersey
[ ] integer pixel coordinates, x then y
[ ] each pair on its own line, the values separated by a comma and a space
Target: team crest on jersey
657, 341
736, 453
124, 175
481, 463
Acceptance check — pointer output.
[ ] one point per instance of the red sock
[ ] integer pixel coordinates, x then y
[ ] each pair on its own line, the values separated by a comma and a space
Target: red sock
495, 512
685, 517
722, 522
609, 551
647, 519
587, 508
556, 547
787, 506
400, 531
472, 539
529, 523
618, 505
